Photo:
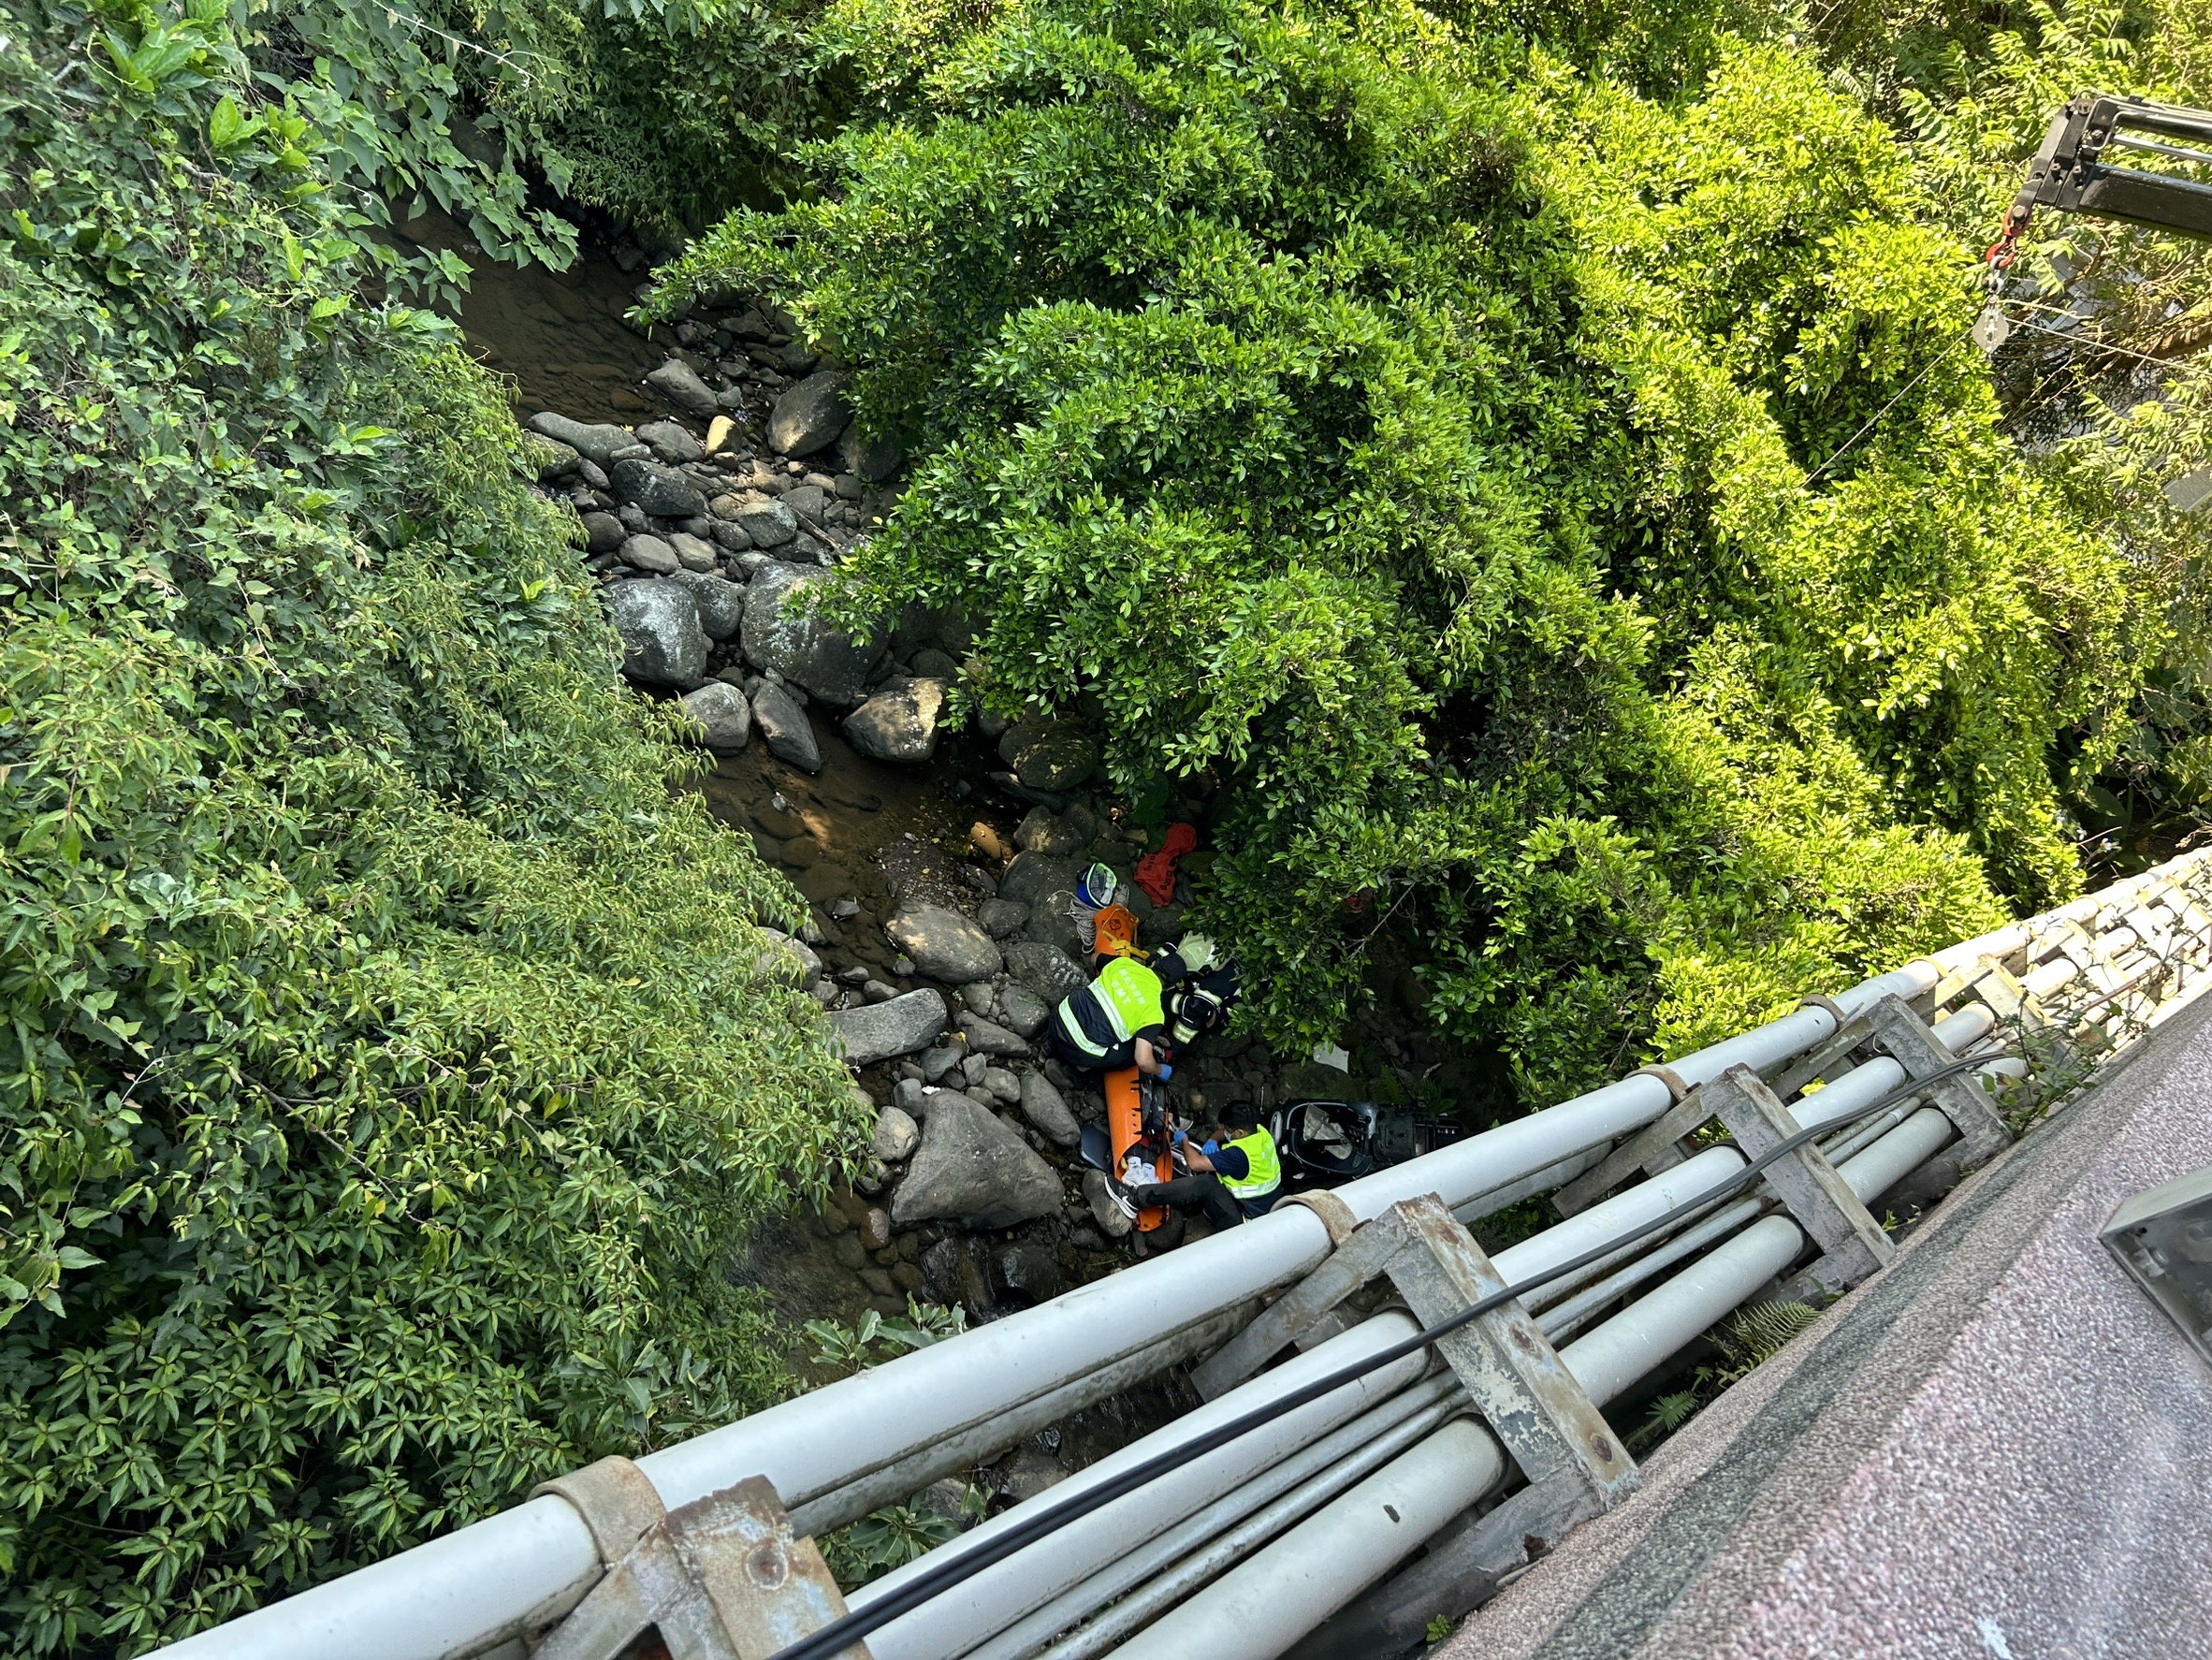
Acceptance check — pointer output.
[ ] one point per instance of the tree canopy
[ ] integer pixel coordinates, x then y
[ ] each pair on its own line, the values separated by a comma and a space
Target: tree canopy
1564, 506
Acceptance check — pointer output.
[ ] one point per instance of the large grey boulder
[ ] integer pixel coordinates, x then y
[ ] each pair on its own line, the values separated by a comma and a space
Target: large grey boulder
809, 417
975, 1171
1001, 917
781, 633
1044, 1107
878, 1031
721, 714
1050, 973
692, 552
680, 384
649, 553
987, 1036
661, 491
662, 643
602, 533
720, 602
944, 944
670, 442
1022, 1011
792, 961
597, 443
1049, 752
898, 724
1034, 874
768, 524
785, 729
874, 459
1052, 922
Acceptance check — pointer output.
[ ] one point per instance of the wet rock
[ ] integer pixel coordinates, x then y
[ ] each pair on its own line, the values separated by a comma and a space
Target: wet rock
553, 458
788, 959
973, 1170
662, 643
979, 995
602, 533
781, 634
1002, 1085
907, 1096
1001, 917
1045, 831
872, 459
649, 553
1029, 1272
720, 602
785, 729
661, 491
1022, 1012
769, 524
1045, 1108
1032, 875
987, 1036
896, 1136
680, 384
944, 944
849, 1251
875, 1227
1052, 922
972, 1068
670, 442
723, 717
1108, 1215
692, 552
599, 443
938, 1062
908, 1278
1049, 752
898, 724
879, 1283
809, 417
1049, 972
879, 1031
877, 992
807, 503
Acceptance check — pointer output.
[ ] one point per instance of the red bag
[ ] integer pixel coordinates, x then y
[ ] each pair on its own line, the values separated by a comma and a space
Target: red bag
1155, 872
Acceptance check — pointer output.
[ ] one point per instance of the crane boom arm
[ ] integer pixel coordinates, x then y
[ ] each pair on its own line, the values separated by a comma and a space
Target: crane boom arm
2071, 173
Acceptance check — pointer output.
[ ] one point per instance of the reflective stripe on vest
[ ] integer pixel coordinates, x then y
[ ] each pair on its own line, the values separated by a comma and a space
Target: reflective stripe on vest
1267, 1170
1129, 993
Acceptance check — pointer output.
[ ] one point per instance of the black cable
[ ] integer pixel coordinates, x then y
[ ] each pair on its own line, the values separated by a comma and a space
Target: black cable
841, 1632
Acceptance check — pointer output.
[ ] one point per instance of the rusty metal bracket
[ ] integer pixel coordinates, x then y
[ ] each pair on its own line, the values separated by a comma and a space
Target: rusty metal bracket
1906, 1039
1852, 1243
1509, 1369
723, 1578
1655, 1147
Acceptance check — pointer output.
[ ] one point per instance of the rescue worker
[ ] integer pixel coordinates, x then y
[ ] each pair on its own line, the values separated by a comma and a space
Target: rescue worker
1201, 989
1119, 1020
1234, 1173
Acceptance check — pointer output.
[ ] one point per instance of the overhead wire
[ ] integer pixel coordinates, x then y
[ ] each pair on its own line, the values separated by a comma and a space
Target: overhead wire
842, 1632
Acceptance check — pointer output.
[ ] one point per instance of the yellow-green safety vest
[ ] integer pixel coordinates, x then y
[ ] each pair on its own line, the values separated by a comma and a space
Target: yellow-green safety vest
1129, 993
1266, 1174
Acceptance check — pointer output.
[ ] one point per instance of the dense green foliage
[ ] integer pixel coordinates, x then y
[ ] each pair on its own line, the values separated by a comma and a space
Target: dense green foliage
1525, 459
1468, 456
387, 1067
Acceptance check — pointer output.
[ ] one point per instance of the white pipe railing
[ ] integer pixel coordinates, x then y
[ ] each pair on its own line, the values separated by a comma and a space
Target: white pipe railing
479, 1587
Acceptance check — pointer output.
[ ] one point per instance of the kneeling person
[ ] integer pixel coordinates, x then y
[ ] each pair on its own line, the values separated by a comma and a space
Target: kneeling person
1235, 1173
1116, 1021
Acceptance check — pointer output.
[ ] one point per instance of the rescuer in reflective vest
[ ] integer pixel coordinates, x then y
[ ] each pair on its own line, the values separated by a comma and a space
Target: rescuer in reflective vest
1119, 1020
1233, 1174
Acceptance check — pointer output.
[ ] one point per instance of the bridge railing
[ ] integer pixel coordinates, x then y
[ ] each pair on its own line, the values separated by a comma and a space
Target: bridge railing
2058, 993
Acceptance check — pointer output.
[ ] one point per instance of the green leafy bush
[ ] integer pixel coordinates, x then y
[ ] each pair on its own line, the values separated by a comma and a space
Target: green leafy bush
386, 1065
1468, 459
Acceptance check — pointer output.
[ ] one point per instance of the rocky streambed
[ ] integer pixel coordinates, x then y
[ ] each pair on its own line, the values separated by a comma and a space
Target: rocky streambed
940, 865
